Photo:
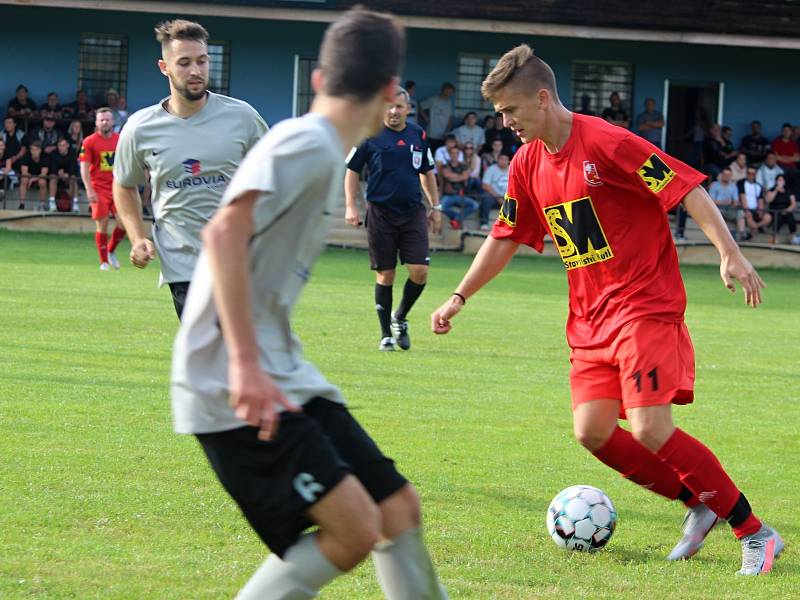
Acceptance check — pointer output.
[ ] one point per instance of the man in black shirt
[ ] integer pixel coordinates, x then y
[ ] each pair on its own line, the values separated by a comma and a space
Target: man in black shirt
615, 114
48, 135
53, 107
64, 168
20, 106
80, 109
755, 145
16, 145
33, 172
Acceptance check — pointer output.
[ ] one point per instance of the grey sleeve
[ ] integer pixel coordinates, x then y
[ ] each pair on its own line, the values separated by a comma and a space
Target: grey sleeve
129, 167
258, 129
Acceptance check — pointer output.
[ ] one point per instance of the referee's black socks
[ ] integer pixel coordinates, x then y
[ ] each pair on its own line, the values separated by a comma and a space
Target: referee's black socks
411, 292
383, 304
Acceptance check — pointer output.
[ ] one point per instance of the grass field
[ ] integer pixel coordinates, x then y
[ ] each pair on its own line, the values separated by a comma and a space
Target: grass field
99, 499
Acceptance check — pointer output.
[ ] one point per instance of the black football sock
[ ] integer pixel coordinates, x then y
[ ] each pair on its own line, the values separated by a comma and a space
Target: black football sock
383, 304
411, 292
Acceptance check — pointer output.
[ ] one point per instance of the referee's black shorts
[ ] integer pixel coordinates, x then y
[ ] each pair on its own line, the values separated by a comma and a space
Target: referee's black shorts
275, 482
390, 233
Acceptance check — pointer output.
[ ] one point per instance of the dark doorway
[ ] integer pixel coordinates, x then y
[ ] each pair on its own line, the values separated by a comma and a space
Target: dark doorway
692, 106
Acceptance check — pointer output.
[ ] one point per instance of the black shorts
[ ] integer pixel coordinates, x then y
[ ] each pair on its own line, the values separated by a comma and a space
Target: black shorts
389, 233
179, 290
275, 482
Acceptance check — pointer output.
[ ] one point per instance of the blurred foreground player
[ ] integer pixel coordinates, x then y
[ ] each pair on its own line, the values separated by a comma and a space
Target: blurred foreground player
97, 172
602, 193
275, 431
191, 143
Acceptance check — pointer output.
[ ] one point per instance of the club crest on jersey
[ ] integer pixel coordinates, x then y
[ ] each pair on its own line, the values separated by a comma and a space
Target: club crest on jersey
107, 160
655, 173
508, 212
192, 166
590, 173
416, 158
577, 233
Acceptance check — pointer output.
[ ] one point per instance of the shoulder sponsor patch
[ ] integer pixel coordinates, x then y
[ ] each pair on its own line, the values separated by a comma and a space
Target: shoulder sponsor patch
508, 212
655, 173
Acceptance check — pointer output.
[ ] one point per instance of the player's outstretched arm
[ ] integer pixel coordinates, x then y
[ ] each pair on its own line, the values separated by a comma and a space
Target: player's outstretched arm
253, 393
489, 261
129, 210
733, 264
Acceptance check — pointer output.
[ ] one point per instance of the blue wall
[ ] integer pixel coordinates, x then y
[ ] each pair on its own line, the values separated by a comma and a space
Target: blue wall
40, 47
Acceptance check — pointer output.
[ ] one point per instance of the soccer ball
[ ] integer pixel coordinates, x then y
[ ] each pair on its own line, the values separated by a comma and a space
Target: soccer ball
581, 518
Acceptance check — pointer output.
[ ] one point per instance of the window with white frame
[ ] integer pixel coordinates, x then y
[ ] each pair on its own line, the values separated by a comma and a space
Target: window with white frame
472, 70
219, 67
102, 64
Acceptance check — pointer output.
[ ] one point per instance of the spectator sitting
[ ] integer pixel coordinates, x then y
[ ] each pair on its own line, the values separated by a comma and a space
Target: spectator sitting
75, 136
728, 149
112, 102
52, 106
725, 194
121, 114
510, 141
455, 175
751, 195
615, 114
786, 150
495, 184
80, 109
64, 167
411, 88
755, 145
490, 158
739, 167
781, 203
713, 159
20, 106
470, 132
2, 164
437, 114
47, 134
650, 123
442, 154
769, 171
33, 172
586, 106
473, 163
16, 145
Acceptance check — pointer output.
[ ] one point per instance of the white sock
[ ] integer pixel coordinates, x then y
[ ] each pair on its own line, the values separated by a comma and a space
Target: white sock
405, 570
300, 575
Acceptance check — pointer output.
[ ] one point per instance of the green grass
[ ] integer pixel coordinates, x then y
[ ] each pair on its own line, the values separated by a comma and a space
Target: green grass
99, 499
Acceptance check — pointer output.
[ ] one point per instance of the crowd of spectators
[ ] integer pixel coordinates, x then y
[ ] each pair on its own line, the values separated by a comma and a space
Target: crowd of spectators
40, 143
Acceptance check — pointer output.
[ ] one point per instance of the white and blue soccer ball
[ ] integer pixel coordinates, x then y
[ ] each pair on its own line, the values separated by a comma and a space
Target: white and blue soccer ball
581, 518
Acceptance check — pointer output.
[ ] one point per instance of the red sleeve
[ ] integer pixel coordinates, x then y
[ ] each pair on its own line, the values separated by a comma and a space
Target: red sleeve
519, 219
87, 152
647, 169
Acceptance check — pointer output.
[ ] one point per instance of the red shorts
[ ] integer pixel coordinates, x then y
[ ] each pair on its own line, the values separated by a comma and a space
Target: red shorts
649, 363
103, 207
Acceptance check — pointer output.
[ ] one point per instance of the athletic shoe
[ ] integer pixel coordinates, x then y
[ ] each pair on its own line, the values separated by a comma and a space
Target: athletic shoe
698, 522
387, 345
400, 332
454, 224
759, 550
104, 267
795, 240
75, 208
52, 206
113, 261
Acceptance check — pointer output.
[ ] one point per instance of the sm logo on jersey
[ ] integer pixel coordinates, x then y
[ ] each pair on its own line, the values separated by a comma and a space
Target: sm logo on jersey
577, 233
107, 160
655, 173
192, 166
508, 212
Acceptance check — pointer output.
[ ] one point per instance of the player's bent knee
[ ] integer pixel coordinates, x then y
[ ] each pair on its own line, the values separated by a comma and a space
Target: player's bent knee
591, 438
401, 511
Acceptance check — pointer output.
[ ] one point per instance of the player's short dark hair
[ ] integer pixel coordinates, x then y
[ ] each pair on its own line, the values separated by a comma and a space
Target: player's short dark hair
361, 51
37, 143
180, 29
519, 66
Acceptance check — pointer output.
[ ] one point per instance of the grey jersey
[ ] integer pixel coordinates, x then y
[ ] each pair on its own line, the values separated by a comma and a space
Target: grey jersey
299, 169
191, 161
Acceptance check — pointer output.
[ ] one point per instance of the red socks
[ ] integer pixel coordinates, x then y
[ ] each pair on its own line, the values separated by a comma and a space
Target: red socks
116, 237
702, 473
101, 241
635, 462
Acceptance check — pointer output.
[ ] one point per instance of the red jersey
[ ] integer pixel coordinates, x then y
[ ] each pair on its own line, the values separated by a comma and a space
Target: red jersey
603, 198
99, 153
784, 148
